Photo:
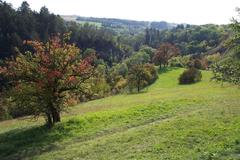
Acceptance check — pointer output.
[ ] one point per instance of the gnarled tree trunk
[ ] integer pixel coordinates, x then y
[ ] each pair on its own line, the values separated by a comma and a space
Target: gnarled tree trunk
49, 120
53, 116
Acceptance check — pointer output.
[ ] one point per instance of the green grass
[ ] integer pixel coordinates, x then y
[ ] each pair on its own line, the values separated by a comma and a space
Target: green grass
165, 121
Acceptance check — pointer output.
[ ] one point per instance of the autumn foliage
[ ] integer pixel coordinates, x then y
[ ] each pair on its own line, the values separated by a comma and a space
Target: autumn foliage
41, 81
164, 53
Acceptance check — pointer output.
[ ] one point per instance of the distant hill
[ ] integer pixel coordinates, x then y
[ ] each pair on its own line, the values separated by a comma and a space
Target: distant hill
131, 25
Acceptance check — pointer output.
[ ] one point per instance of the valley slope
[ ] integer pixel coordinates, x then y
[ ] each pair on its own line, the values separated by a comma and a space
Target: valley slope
165, 121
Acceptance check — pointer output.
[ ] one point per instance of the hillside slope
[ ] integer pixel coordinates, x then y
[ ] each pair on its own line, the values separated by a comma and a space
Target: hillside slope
115, 23
166, 121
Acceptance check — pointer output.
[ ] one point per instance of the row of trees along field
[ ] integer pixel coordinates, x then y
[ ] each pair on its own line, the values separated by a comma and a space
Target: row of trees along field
54, 64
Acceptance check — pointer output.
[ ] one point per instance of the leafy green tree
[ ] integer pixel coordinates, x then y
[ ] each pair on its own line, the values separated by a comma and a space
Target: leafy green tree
140, 75
138, 58
228, 70
149, 50
98, 83
191, 39
234, 42
102, 40
25, 24
116, 77
41, 81
180, 61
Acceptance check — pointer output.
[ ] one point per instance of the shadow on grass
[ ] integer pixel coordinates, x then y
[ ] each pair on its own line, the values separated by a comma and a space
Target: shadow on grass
142, 91
189, 84
26, 143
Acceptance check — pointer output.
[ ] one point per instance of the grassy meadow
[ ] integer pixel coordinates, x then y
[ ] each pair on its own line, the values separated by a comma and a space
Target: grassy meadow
164, 121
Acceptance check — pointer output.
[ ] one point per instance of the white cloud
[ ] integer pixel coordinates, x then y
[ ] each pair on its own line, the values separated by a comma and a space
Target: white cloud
179, 11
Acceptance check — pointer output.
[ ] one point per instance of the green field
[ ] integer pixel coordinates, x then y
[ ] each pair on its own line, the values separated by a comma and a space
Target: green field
165, 121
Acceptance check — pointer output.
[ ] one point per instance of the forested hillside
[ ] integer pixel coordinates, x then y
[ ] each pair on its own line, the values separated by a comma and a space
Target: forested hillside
25, 24
119, 55
113, 39
75, 87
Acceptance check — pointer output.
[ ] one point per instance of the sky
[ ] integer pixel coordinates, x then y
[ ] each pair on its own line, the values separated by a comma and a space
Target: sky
176, 11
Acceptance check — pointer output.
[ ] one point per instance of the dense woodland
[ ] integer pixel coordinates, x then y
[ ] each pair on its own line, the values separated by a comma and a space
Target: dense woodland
111, 57
22, 24
76, 87
189, 38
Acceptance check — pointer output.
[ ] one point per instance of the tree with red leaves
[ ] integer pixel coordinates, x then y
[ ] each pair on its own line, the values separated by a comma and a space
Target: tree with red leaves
41, 81
165, 52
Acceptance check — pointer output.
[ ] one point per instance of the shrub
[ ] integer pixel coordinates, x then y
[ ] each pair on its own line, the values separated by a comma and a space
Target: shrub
198, 63
189, 76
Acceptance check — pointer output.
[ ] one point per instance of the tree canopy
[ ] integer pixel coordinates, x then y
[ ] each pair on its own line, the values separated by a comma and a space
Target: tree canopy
43, 80
25, 24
